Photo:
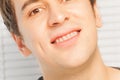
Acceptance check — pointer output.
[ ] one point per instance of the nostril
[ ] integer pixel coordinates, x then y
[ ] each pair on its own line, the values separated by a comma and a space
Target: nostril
67, 18
55, 24
60, 22
58, 19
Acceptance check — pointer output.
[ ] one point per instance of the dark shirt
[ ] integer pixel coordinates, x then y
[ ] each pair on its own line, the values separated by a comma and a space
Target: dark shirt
41, 78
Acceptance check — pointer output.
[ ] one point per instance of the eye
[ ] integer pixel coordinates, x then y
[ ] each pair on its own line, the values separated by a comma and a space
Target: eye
66, 0
35, 11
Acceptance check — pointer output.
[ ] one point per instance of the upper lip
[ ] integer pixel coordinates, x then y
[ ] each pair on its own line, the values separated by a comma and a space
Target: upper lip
59, 35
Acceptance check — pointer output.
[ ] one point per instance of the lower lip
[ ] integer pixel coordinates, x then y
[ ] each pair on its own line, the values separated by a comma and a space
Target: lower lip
68, 42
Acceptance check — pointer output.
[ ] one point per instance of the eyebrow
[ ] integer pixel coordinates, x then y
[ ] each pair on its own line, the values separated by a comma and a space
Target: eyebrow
28, 2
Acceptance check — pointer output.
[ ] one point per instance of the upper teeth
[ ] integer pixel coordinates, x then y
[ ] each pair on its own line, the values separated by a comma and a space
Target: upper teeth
66, 37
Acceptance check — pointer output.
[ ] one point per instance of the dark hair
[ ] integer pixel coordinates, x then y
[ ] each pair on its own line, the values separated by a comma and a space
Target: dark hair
9, 17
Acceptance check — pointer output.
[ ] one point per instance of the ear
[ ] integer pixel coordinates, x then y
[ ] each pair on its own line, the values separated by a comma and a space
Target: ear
21, 45
97, 16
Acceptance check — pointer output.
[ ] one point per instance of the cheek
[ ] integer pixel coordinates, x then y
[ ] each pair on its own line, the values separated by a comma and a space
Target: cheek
81, 9
32, 34
83, 15
32, 29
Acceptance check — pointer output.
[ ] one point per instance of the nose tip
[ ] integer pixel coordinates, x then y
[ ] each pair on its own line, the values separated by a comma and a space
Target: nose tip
57, 18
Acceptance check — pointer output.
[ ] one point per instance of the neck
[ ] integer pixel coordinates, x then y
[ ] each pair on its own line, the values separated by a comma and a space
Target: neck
93, 69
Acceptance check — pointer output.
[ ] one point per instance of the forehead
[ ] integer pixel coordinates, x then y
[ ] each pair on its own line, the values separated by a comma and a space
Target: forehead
21, 4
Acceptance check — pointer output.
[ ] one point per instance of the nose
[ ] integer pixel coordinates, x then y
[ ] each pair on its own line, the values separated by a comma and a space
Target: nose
57, 16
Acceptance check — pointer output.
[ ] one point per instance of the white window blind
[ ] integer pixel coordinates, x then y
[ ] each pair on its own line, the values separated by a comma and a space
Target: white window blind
1, 54
109, 34
13, 66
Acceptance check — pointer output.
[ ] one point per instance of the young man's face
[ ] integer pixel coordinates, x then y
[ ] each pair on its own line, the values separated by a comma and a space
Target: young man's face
59, 32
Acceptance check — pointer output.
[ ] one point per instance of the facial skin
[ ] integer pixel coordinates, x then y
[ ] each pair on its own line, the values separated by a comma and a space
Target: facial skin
53, 18
62, 34
41, 22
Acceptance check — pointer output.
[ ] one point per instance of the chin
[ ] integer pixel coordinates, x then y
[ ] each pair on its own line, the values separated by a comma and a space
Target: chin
75, 60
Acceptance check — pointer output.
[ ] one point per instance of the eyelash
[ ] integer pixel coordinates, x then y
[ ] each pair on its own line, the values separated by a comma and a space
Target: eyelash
66, 0
35, 11
39, 9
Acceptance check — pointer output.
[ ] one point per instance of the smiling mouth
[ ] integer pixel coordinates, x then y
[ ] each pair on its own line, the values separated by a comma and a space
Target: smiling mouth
66, 37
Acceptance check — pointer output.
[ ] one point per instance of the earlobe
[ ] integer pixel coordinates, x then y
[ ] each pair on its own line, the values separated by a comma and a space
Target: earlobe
25, 51
97, 16
21, 45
